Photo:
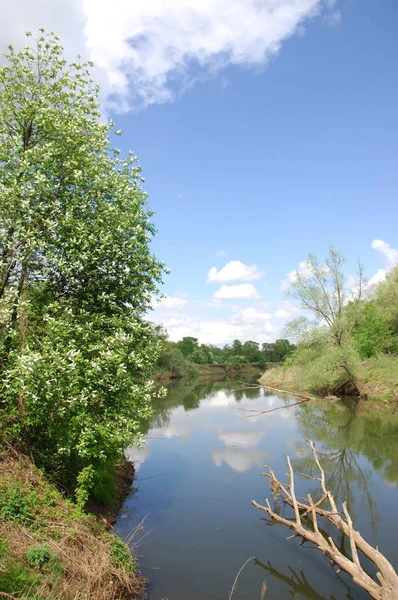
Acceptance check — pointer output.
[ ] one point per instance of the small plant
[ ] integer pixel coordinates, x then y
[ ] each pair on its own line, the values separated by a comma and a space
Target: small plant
121, 557
16, 576
16, 505
40, 556
3, 547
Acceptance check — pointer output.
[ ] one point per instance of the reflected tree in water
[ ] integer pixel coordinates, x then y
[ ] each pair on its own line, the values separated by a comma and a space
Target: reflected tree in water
189, 393
346, 434
299, 585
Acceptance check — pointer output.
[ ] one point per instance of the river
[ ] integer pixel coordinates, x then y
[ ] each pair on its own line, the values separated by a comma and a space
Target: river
198, 472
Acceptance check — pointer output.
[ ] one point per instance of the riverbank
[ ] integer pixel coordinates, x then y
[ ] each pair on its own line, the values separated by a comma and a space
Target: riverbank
377, 380
50, 549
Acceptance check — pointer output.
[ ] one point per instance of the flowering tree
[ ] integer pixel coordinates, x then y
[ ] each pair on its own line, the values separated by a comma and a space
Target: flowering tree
76, 271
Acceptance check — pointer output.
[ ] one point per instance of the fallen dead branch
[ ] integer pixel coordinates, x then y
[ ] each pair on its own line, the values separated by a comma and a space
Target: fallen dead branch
305, 396
386, 588
264, 412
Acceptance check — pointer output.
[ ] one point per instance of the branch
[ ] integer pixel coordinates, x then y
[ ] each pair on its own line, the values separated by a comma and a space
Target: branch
387, 585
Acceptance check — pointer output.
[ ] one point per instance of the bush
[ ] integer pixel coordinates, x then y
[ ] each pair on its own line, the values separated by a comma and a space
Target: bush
40, 556
322, 365
16, 506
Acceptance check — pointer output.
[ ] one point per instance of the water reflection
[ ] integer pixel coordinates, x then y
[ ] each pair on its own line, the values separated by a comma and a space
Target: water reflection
346, 435
199, 470
239, 460
298, 584
241, 439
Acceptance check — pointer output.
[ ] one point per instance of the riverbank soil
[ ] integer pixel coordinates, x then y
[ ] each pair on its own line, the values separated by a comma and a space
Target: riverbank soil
50, 549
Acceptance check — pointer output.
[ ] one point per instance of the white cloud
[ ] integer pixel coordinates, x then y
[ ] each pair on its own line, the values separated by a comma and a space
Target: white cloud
287, 309
241, 439
250, 314
255, 320
303, 270
391, 254
149, 52
234, 271
157, 48
215, 331
391, 259
238, 459
138, 455
172, 303
221, 253
65, 17
243, 291
378, 277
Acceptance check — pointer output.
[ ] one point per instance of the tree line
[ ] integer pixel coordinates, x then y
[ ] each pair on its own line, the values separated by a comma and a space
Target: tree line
180, 358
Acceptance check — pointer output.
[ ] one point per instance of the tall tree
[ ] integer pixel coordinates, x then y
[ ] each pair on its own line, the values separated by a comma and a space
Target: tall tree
387, 298
76, 271
321, 289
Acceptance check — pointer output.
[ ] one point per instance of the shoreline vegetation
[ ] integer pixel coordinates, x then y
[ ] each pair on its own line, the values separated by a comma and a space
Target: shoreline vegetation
51, 549
347, 342
376, 382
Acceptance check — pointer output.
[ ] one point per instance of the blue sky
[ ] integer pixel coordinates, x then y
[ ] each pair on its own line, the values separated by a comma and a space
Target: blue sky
266, 130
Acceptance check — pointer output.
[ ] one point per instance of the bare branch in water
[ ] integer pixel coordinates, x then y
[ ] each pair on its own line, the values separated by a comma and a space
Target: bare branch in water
386, 588
235, 584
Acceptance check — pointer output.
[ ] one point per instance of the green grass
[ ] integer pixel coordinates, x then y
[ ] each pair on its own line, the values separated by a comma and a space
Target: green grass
377, 379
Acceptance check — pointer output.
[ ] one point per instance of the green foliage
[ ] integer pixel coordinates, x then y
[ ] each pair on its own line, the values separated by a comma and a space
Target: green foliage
85, 481
4, 547
320, 288
187, 345
120, 554
278, 351
172, 360
15, 575
325, 368
17, 506
103, 485
372, 333
180, 357
386, 299
76, 272
40, 556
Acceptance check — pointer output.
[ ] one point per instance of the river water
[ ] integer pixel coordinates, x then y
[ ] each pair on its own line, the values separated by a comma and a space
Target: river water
199, 470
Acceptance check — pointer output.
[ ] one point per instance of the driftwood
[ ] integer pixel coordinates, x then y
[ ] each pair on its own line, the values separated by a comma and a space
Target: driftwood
270, 410
386, 588
306, 397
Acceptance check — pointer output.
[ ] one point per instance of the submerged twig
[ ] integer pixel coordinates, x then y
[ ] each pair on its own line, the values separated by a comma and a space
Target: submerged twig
235, 584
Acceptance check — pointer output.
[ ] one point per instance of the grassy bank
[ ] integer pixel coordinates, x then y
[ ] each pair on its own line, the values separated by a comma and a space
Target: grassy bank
50, 550
377, 379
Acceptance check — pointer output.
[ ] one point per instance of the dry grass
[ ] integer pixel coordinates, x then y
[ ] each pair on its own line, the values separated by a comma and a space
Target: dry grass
87, 563
283, 378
